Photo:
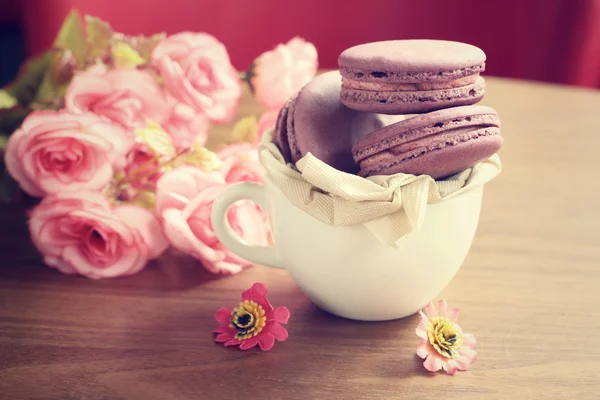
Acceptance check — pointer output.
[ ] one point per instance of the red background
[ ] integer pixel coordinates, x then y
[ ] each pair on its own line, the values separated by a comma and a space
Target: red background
549, 40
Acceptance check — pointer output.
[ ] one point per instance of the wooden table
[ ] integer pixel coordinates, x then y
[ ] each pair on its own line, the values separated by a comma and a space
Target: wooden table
529, 290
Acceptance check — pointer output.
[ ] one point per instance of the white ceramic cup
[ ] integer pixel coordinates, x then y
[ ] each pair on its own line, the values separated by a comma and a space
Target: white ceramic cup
346, 270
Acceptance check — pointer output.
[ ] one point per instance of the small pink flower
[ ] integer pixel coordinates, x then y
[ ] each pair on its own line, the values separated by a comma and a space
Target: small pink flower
129, 97
240, 163
254, 321
57, 151
267, 121
79, 233
142, 166
185, 125
444, 344
280, 73
184, 201
197, 71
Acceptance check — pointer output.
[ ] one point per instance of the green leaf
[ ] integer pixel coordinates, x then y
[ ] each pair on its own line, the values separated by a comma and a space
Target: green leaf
144, 198
199, 156
31, 74
72, 37
144, 45
3, 141
156, 139
12, 118
8, 187
99, 35
125, 56
7, 100
245, 130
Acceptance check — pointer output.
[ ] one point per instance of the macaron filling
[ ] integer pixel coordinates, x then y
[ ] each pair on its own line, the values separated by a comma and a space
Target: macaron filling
351, 83
389, 158
383, 143
406, 101
364, 75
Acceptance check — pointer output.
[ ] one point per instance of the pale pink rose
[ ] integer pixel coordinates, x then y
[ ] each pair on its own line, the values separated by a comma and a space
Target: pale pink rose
129, 97
184, 200
57, 151
186, 126
197, 71
240, 163
267, 120
79, 233
142, 166
280, 73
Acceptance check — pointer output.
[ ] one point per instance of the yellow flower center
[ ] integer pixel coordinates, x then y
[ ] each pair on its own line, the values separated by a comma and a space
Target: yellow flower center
445, 336
248, 318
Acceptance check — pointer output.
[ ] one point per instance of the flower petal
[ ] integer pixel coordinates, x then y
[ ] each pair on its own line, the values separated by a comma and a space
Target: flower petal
429, 311
277, 331
257, 292
225, 329
469, 353
453, 314
450, 366
266, 342
442, 308
469, 340
281, 314
421, 329
249, 343
433, 363
223, 337
223, 315
232, 342
463, 363
423, 349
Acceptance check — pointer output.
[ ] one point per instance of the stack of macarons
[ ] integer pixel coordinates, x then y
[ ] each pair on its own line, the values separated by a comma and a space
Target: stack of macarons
402, 106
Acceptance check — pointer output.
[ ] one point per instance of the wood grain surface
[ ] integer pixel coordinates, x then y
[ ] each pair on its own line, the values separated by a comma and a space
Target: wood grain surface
529, 290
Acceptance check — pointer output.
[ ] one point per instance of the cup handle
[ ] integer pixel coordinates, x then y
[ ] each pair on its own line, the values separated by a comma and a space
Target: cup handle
263, 255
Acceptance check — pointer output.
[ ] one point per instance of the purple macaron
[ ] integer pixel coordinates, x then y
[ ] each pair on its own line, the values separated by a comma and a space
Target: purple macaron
438, 144
315, 121
411, 76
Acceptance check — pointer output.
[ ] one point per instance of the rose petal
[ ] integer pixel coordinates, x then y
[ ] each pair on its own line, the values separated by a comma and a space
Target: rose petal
147, 225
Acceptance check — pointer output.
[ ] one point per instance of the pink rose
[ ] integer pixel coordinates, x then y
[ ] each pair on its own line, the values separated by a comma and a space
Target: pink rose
240, 163
267, 120
129, 97
197, 71
79, 233
184, 200
185, 125
57, 151
142, 166
280, 73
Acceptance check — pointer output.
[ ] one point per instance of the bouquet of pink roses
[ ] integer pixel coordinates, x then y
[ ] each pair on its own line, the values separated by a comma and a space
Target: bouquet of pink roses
109, 131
